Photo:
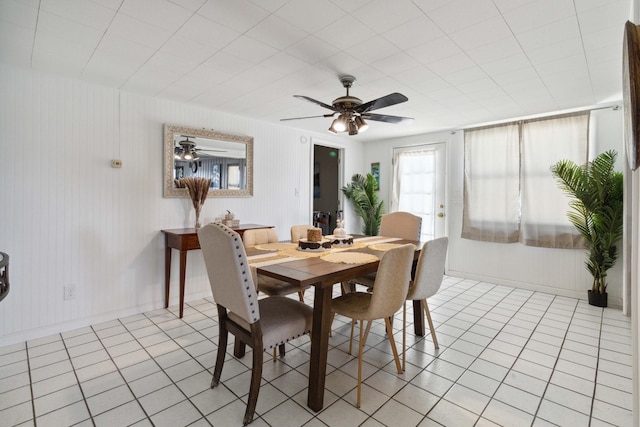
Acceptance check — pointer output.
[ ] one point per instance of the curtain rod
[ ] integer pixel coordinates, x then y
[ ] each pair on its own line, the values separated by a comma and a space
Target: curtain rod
615, 107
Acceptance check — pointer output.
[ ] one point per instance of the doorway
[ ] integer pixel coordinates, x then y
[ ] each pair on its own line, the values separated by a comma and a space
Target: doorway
419, 177
326, 187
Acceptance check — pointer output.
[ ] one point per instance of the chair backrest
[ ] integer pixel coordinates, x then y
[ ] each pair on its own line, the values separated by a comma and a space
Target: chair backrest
430, 269
401, 224
299, 232
392, 282
229, 273
259, 236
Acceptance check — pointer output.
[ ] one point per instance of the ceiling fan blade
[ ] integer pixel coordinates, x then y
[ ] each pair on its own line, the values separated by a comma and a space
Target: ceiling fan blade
388, 119
385, 101
306, 117
315, 101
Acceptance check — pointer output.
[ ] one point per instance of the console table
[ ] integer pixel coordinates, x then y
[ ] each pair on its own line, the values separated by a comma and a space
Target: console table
184, 240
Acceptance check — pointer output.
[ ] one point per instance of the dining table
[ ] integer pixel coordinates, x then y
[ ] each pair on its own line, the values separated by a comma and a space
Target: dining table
323, 272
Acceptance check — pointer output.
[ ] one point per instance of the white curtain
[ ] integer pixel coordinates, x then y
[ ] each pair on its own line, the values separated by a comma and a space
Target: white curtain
543, 219
491, 184
413, 187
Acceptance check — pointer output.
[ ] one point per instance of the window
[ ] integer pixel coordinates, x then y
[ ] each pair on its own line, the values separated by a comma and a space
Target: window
509, 193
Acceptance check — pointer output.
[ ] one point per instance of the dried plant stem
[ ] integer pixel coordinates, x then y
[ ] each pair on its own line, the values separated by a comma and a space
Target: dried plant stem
198, 189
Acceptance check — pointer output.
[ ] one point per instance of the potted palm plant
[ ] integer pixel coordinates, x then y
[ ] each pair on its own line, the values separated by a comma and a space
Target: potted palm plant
361, 192
597, 213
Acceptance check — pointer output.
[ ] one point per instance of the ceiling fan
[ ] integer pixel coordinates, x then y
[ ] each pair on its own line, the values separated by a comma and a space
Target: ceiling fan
352, 112
187, 150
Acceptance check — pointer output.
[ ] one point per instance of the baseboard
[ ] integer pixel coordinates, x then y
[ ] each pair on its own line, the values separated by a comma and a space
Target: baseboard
57, 328
613, 302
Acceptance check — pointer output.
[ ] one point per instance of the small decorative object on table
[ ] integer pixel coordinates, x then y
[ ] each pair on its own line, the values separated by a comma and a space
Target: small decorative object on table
314, 241
229, 219
340, 237
198, 189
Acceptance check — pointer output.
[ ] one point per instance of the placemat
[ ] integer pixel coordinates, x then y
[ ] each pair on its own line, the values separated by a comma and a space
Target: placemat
383, 247
349, 258
275, 246
295, 253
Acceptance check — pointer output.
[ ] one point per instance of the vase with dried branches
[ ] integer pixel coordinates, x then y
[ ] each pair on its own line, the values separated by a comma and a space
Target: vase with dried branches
198, 189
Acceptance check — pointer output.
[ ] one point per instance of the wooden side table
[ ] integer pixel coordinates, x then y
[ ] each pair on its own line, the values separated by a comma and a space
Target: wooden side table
184, 240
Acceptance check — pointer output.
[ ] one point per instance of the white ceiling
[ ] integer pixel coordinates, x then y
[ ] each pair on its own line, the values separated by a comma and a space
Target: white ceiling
460, 62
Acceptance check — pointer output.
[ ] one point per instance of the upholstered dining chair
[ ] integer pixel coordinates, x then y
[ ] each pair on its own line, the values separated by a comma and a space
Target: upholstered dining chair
299, 232
261, 324
403, 225
268, 285
388, 296
426, 283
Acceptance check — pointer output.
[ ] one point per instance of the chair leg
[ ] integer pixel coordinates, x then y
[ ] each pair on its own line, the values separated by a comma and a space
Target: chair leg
433, 331
404, 336
222, 351
301, 295
254, 389
275, 354
366, 332
353, 323
281, 348
393, 345
360, 345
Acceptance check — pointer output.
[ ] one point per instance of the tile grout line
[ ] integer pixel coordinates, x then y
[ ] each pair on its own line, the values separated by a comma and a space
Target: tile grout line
33, 400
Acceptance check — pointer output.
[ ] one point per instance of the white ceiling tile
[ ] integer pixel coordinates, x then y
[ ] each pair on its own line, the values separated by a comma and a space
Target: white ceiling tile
466, 75
345, 33
549, 34
612, 14
192, 5
312, 49
83, 12
497, 50
124, 49
277, 33
161, 13
373, 50
428, 6
481, 34
110, 4
575, 64
397, 63
270, 5
140, 32
311, 15
205, 31
283, 63
508, 77
507, 5
341, 63
414, 33
109, 69
205, 77
505, 65
249, 49
383, 15
18, 14
188, 49
240, 15
434, 51
538, 14
607, 37
16, 43
460, 14
561, 49
51, 25
451, 64
229, 63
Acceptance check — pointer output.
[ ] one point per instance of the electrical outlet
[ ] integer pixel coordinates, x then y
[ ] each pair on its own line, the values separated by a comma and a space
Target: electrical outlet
69, 292
116, 163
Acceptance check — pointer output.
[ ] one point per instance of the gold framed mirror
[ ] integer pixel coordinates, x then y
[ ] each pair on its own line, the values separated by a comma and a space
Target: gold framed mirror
225, 158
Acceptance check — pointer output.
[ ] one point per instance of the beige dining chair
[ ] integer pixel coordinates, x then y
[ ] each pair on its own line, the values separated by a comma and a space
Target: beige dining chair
268, 285
426, 283
261, 324
388, 296
299, 232
403, 225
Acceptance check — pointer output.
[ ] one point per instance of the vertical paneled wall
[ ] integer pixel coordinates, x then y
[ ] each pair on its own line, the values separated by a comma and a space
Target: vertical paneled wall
68, 218
557, 271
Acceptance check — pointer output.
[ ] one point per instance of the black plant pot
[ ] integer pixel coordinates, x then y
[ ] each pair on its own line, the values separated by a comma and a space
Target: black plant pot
597, 299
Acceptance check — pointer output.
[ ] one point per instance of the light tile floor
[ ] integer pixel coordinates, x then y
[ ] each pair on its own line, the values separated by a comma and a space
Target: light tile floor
507, 357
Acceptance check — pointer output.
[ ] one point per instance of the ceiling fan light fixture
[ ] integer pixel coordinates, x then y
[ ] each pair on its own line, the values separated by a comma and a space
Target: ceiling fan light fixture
340, 124
187, 155
332, 128
353, 128
362, 125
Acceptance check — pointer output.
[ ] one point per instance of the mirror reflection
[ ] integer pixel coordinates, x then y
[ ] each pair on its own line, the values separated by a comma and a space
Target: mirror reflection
226, 159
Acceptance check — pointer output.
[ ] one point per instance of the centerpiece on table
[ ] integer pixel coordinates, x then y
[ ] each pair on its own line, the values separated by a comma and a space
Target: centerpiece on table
198, 189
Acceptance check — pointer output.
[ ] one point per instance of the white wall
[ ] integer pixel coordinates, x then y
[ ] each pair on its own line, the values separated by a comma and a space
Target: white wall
68, 218
557, 271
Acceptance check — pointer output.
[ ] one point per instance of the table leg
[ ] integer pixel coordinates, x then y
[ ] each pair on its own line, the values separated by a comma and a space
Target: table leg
418, 318
167, 271
183, 271
319, 346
